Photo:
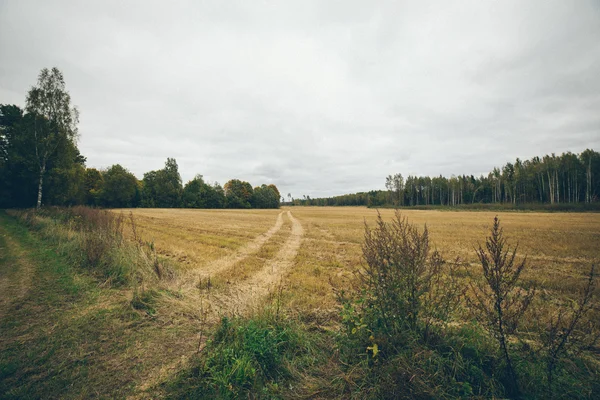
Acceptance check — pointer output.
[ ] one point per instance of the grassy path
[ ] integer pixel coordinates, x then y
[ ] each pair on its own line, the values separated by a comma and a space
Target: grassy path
15, 273
63, 336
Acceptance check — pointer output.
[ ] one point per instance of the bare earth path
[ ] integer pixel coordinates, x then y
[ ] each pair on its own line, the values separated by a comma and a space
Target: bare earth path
247, 250
244, 295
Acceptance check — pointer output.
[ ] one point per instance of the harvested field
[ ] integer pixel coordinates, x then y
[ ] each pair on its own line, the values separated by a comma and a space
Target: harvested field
233, 245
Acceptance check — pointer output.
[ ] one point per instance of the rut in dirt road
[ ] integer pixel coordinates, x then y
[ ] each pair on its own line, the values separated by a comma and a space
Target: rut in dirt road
250, 248
248, 293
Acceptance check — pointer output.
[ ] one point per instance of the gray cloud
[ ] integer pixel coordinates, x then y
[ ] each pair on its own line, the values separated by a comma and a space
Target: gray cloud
320, 98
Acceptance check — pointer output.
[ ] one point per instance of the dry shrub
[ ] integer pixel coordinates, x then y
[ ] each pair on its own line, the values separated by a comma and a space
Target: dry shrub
567, 329
405, 287
498, 301
101, 231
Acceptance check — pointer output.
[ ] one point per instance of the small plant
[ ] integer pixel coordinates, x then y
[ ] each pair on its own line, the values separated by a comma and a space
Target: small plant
245, 358
498, 301
562, 330
405, 288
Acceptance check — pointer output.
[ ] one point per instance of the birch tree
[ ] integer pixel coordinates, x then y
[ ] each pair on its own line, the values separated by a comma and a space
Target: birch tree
54, 118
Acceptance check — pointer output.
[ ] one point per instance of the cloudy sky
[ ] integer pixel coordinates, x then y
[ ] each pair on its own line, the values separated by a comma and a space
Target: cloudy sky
318, 97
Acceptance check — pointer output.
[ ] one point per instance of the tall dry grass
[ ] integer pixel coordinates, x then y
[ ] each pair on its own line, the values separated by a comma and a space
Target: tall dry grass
96, 240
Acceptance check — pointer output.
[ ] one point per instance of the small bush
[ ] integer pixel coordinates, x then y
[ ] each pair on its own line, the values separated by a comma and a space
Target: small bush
498, 301
244, 358
405, 288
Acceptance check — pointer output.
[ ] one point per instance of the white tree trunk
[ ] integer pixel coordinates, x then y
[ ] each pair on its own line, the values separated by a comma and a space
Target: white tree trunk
39, 198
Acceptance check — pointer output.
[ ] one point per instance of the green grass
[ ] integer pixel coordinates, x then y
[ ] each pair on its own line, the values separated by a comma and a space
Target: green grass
263, 356
70, 337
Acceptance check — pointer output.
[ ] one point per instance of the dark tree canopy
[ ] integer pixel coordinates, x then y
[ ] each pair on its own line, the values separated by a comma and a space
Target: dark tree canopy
120, 187
162, 188
568, 179
265, 197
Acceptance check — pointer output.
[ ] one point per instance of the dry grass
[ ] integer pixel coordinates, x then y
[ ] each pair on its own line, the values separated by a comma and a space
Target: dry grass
560, 247
194, 238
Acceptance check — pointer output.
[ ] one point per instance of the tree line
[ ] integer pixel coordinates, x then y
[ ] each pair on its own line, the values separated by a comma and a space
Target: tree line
569, 179
40, 163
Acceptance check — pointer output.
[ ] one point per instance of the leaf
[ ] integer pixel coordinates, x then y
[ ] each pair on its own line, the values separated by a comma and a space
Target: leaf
374, 349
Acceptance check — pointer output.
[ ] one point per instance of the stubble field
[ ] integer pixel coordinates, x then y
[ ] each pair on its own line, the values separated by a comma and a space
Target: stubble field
299, 252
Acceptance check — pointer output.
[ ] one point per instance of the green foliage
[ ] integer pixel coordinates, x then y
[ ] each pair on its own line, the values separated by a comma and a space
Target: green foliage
238, 194
119, 187
20, 168
163, 188
198, 194
406, 290
565, 182
54, 120
93, 185
244, 358
265, 197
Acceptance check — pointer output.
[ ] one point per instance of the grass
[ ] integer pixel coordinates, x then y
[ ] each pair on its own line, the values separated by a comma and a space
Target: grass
195, 238
70, 336
559, 247
79, 332
261, 356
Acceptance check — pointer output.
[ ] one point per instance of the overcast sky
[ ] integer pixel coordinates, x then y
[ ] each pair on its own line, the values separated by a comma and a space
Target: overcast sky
320, 98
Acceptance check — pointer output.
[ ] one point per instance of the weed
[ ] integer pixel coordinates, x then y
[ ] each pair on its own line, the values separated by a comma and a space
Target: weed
498, 302
405, 288
562, 330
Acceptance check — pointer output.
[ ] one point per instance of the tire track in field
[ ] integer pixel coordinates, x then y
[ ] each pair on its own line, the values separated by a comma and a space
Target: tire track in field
247, 250
238, 297
250, 292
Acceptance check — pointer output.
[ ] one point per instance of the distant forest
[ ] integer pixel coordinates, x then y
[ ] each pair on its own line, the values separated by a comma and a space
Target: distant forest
568, 179
41, 164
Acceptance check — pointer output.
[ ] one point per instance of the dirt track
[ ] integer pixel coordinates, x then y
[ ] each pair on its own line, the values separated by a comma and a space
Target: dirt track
246, 294
247, 250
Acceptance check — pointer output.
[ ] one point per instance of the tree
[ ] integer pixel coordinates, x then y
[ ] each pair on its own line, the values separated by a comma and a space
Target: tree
120, 187
265, 197
163, 188
94, 182
17, 167
238, 194
193, 193
53, 119
395, 185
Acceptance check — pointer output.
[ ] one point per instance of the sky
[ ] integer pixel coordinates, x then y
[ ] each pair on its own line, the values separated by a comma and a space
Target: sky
318, 97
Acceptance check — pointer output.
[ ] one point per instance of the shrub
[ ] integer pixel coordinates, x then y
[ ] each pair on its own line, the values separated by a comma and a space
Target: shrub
498, 301
563, 330
406, 288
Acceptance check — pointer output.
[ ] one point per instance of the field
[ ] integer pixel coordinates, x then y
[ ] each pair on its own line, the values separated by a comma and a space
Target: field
560, 247
70, 332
